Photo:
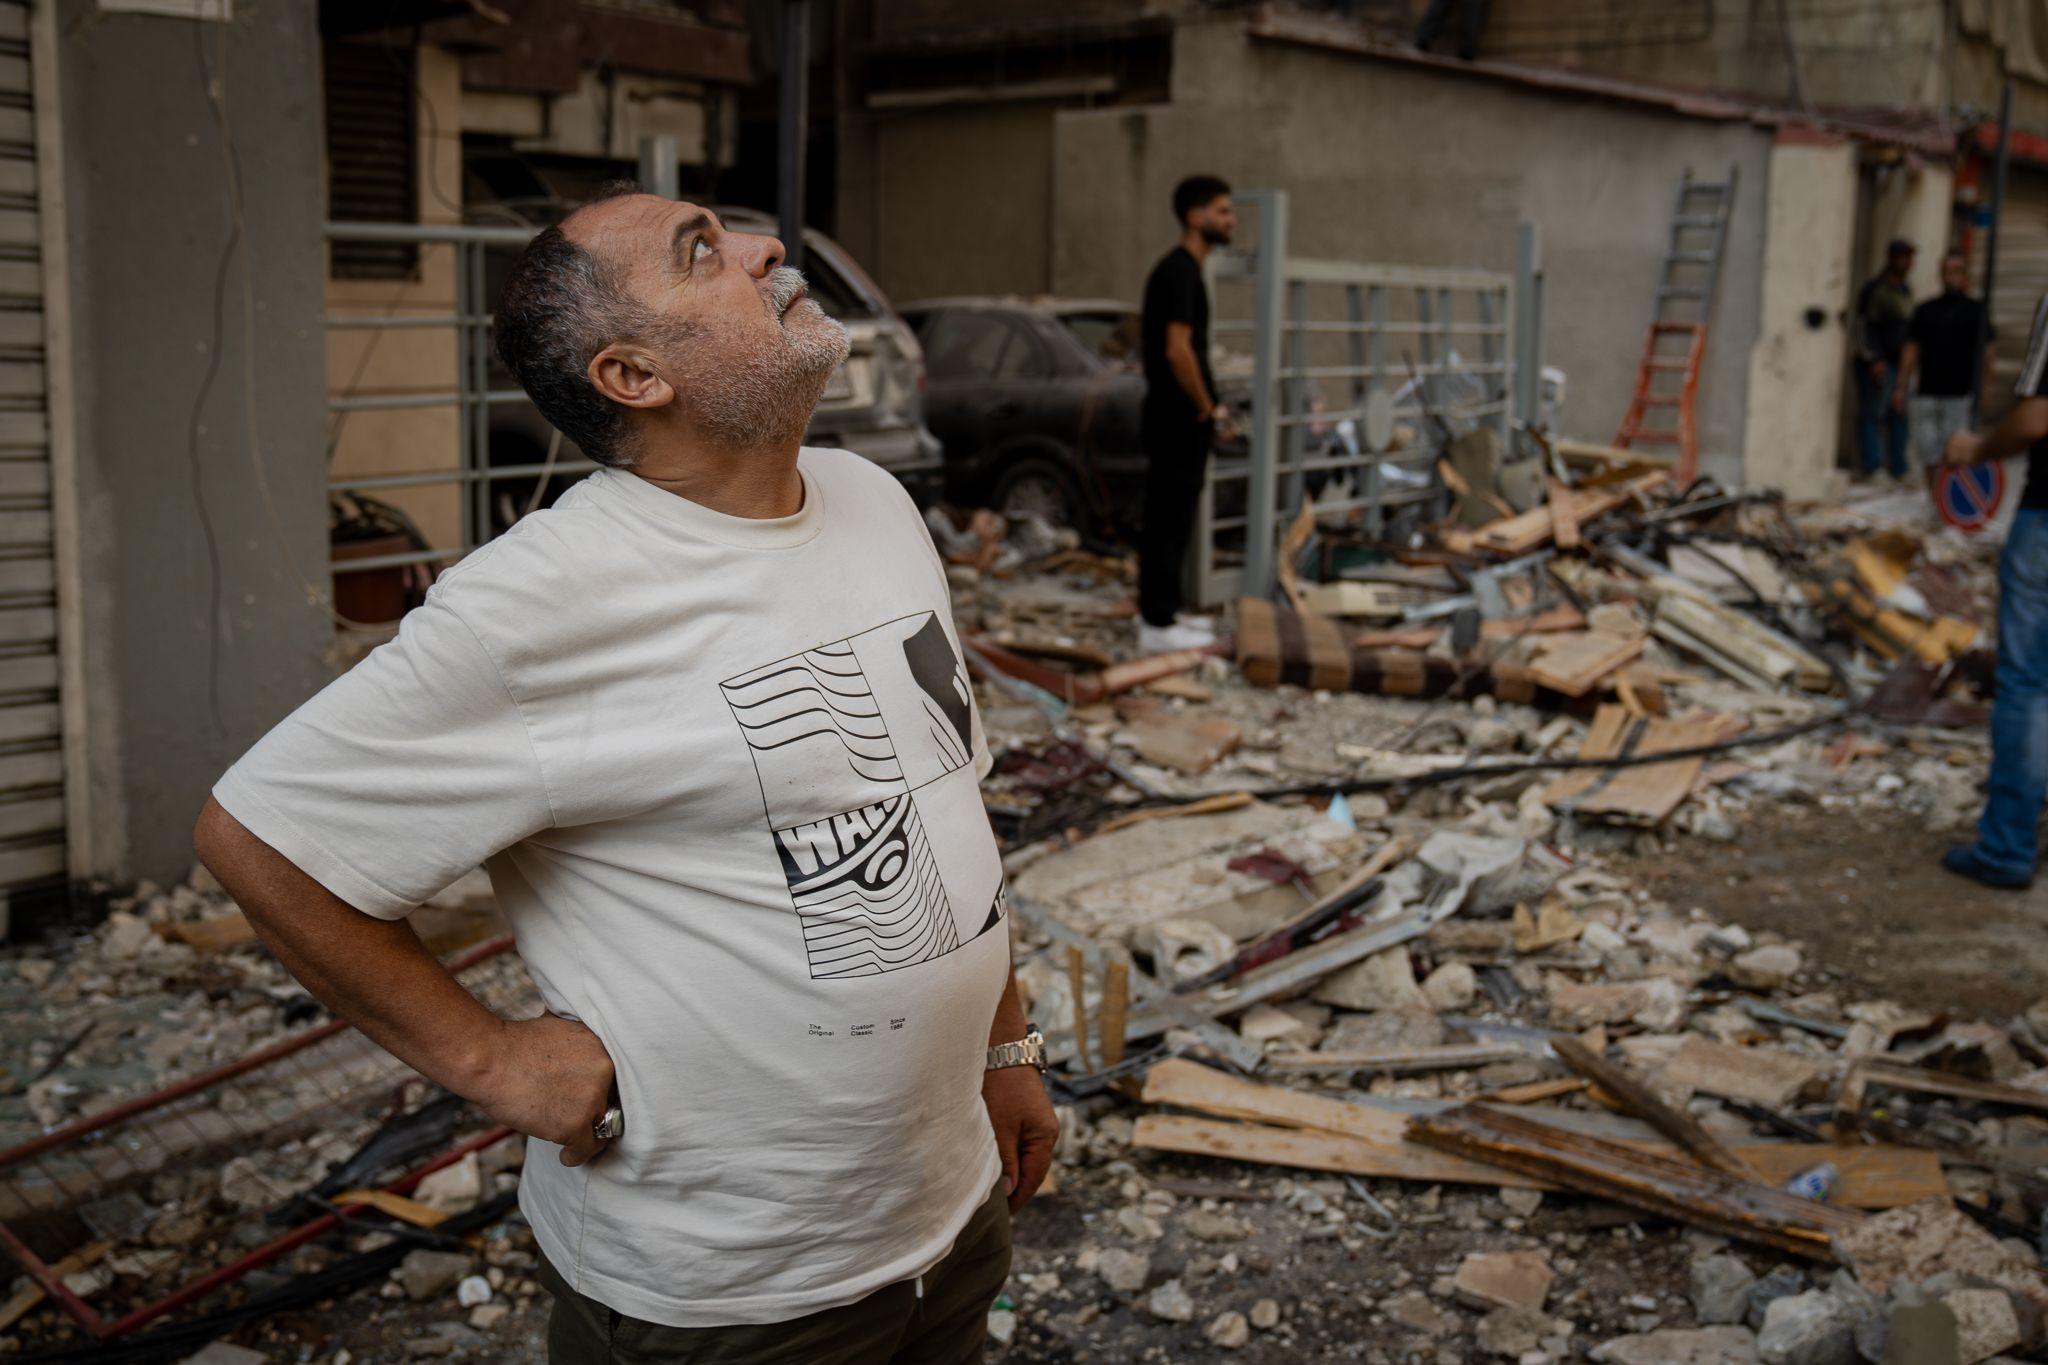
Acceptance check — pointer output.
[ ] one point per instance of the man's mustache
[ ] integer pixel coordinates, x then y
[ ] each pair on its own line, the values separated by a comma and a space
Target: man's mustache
784, 284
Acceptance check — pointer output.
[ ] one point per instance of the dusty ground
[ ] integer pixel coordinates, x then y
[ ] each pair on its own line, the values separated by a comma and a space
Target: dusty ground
1867, 895
1864, 894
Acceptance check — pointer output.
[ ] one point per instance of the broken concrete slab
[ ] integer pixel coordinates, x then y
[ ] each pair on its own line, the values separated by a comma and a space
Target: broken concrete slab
1720, 1289
1986, 1323
1654, 1002
1503, 1279
1671, 1346
1921, 1240
1765, 1076
1384, 981
1813, 1328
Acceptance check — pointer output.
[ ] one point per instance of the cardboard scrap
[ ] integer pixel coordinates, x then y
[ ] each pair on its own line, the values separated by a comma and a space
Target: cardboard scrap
1649, 793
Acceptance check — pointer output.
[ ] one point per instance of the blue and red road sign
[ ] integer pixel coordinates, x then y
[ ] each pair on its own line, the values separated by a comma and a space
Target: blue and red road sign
1967, 496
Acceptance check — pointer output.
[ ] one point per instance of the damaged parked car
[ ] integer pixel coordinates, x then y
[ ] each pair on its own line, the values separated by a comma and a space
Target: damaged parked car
1036, 402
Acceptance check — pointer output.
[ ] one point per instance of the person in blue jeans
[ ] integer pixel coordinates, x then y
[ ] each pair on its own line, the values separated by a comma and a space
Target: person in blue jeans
2008, 831
1884, 311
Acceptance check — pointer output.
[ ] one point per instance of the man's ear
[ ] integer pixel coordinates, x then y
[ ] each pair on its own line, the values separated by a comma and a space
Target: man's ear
627, 377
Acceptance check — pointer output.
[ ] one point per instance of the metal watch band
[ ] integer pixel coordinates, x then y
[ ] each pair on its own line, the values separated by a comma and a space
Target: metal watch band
1026, 1051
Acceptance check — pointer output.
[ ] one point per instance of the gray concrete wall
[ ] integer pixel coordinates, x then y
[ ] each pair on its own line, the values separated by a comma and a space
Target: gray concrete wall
954, 200
1385, 162
185, 664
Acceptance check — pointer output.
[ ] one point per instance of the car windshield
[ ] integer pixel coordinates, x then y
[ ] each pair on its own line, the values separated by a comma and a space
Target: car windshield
1111, 336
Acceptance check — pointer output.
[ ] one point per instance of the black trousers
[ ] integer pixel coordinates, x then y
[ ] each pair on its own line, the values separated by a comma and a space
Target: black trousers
1471, 14
942, 1321
1176, 462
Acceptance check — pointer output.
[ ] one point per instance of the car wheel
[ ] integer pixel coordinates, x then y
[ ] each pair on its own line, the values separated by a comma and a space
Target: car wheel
1038, 486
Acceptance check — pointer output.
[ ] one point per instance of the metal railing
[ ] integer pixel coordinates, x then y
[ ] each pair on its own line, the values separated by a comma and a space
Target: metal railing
1346, 359
472, 397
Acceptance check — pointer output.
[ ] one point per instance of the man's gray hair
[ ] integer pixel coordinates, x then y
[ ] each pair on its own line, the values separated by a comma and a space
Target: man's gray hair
562, 305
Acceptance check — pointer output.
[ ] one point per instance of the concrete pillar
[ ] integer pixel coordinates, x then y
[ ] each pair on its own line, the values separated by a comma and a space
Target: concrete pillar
196, 375
1800, 360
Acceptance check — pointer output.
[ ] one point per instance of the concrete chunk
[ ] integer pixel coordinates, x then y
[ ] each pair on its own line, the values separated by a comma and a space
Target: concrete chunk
1503, 1279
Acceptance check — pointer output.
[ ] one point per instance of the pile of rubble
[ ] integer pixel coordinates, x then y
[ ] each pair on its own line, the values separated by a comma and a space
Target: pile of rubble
1368, 1043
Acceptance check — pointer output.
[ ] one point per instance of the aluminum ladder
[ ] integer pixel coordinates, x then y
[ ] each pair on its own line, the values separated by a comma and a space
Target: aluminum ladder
1676, 343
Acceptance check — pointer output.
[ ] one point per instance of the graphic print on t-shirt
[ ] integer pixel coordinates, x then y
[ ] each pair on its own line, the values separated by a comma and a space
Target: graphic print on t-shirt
844, 737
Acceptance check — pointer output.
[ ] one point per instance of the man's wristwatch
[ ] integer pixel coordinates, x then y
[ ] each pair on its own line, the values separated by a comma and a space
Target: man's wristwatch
1026, 1051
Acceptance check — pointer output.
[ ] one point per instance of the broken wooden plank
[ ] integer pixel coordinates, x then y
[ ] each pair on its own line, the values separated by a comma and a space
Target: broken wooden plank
1208, 805
1673, 1122
1564, 514
1575, 664
1111, 1015
1314, 1149
1891, 1076
1647, 793
1675, 1189
1531, 1091
1740, 636
1399, 1061
32, 1293
1872, 1177
1077, 981
1606, 457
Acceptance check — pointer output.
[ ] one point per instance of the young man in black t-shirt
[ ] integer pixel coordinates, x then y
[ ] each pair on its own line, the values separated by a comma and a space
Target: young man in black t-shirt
2007, 842
1180, 412
1942, 353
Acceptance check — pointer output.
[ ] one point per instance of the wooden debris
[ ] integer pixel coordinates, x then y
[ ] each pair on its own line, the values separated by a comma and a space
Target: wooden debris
1399, 1061
1648, 793
1111, 1016
1675, 1189
1346, 597
1291, 544
1531, 1091
1313, 1132
1886, 1075
1606, 457
1208, 805
1648, 1106
1531, 530
32, 1293
396, 1205
1734, 641
1564, 515
1077, 981
1575, 664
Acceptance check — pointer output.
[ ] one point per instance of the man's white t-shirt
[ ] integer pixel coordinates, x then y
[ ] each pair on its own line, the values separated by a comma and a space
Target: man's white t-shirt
724, 774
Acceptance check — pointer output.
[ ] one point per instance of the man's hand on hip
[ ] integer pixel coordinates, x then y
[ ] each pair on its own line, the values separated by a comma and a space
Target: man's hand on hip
1026, 1128
551, 1079
1965, 447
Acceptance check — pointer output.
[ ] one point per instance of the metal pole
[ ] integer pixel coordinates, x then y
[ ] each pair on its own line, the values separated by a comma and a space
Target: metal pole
1269, 300
658, 166
1991, 249
1527, 332
795, 120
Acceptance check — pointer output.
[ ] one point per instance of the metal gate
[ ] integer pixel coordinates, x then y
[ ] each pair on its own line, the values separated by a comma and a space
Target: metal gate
32, 838
1351, 368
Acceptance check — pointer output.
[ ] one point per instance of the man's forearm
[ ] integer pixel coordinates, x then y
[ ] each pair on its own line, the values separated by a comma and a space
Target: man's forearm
1188, 371
2022, 427
372, 972
1009, 1024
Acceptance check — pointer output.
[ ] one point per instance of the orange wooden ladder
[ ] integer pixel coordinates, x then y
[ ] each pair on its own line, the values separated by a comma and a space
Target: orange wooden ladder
1676, 343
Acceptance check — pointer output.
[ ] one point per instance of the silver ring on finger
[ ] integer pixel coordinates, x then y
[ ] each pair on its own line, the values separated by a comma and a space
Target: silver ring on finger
611, 1125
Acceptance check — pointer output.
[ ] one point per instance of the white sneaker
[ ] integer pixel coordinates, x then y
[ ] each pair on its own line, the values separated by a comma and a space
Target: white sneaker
1167, 639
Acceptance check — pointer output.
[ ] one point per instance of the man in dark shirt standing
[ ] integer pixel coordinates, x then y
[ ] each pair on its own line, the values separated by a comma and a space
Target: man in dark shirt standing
1883, 311
2006, 844
1941, 352
1180, 411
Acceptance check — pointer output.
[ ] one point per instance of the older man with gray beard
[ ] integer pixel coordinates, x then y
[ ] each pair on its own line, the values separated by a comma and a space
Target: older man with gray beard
706, 723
